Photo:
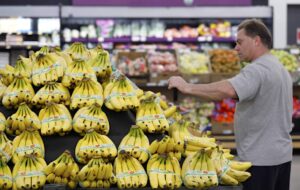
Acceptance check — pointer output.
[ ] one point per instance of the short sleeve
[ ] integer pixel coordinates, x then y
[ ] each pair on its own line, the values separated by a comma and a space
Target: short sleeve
247, 83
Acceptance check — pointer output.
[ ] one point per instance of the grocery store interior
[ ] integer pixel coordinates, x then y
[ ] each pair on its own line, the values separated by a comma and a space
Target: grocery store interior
147, 41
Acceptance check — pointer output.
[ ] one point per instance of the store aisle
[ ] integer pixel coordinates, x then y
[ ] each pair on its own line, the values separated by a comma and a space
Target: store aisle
295, 179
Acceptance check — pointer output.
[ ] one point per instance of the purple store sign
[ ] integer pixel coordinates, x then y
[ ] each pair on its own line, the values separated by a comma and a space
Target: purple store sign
162, 3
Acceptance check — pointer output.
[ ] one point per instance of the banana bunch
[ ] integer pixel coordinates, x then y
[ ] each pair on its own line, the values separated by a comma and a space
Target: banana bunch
6, 148
100, 62
136, 144
120, 94
28, 142
230, 172
167, 145
76, 71
28, 173
198, 171
7, 74
225, 151
129, 171
94, 51
57, 51
22, 68
179, 131
93, 145
20, 90
164, 172
52, 92
2, 89
63, 170
170, 111
97, 173
78, 51
3, 122
26, 61
175, 117
45, 50
55, 118
47, 68
21, 120
91, 117
6, 181
150, 117
86, 93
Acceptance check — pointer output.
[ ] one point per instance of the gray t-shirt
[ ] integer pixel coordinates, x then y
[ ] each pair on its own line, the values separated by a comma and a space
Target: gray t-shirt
263, 117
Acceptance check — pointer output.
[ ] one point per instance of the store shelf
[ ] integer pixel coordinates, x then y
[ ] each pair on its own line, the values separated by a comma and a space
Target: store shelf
167, 12
29, 11
25, 45
153, 40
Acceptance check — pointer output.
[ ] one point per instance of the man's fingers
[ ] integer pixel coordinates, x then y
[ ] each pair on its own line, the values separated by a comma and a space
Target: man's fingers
170, 84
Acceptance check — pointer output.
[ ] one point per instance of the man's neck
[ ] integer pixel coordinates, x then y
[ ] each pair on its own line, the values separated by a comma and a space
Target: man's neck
260, 53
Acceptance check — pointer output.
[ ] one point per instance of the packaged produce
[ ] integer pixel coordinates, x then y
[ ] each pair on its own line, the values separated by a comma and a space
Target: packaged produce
288, 60
192, 62
224, 61
161, 62
224, 111
63, 170
164, 172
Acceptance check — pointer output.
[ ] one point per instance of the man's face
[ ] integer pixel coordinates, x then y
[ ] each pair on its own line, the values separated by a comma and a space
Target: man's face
244, 46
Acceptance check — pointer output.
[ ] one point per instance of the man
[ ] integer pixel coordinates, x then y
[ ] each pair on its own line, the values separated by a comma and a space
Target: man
263, 117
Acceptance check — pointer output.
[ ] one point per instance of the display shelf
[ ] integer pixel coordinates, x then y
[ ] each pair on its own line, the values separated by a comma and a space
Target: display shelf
228, 141
152, 40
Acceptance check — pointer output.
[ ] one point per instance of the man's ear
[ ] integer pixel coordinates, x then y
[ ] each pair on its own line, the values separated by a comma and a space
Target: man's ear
257, 40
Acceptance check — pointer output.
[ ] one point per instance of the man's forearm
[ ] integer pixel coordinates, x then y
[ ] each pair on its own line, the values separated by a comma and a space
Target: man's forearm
213, 91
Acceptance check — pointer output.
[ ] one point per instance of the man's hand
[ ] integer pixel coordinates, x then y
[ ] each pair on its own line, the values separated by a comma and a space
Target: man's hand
177, 82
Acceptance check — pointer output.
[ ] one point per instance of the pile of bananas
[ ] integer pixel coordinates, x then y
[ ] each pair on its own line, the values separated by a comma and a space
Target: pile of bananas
86, 93
91, 117
150, 116
78, 51
6, 148
21, 120
28, 142
94, 145
28, 173
3, 122
2, 89
198, 171
63, 170
52, 92
230, 172
76, 71
47, 68
97, 173
100, 62
136, 144
179, 131
55, 118
20, 90
166, 145
120, 94
164, 172
129, 171
6, 181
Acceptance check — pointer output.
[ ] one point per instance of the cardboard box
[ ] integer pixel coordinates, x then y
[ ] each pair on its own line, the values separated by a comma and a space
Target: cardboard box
222, 128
